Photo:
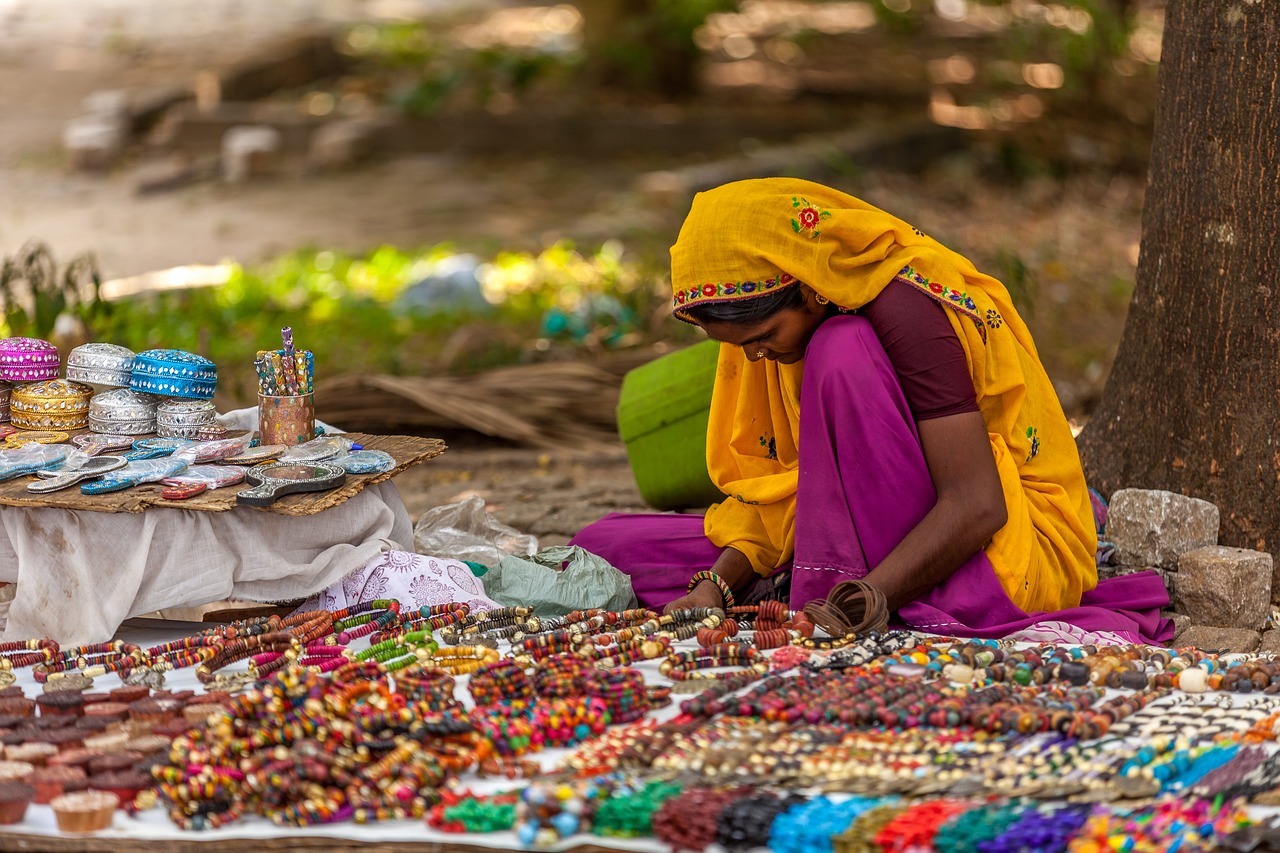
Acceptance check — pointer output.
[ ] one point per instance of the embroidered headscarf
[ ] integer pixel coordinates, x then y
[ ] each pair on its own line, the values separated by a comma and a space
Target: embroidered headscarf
752, 237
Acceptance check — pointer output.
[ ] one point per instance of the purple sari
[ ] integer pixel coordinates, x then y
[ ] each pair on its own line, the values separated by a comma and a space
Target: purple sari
863, 485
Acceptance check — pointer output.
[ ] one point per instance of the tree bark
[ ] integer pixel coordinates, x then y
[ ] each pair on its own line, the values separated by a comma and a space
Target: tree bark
1193, 398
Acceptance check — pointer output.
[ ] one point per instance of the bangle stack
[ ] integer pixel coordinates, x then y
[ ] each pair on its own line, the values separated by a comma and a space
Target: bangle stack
725, 591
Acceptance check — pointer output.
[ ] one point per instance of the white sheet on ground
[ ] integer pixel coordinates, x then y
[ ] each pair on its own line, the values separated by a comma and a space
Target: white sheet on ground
80, 574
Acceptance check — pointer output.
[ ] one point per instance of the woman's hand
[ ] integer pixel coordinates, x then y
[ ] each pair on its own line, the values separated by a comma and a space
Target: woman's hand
705, 594
969, 511
733, 567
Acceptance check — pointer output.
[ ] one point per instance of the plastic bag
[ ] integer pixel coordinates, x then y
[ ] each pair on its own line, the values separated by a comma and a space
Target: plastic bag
466, 531
586, 580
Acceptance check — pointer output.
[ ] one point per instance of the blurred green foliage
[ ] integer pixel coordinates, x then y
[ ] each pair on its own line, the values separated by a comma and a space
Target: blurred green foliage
428, 71
36, 291
352, 311
1083, 36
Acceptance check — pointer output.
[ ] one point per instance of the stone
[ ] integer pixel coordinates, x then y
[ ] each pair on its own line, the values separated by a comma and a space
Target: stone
1208, 638
1181, 622
1150, 527
1270, 641
344, 143
1225, 586
95, 141
249, 151
1169, 578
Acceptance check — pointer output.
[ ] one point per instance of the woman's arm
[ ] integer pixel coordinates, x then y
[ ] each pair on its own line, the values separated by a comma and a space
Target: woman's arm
970, 510
733, 567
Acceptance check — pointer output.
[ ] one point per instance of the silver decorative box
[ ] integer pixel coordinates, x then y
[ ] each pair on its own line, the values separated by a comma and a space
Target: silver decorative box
123, 412
184, 418
101, 364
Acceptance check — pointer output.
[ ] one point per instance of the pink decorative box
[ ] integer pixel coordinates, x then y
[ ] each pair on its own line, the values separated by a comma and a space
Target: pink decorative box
28, 360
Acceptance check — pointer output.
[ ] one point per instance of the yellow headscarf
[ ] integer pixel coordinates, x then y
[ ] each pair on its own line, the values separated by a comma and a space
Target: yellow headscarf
756, 236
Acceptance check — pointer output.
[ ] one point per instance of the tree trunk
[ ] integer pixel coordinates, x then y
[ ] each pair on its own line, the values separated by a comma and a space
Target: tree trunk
1193, 399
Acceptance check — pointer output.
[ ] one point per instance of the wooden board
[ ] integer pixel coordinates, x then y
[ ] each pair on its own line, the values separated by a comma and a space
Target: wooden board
407, 450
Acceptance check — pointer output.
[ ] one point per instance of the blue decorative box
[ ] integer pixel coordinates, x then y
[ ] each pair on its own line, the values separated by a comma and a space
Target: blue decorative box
174, 373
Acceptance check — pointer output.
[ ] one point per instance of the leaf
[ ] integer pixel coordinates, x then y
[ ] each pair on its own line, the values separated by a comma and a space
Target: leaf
1030, 430
795, 226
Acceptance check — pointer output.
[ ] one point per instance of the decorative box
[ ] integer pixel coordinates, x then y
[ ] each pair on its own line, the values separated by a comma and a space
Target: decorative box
28, 360
184, 418
123, 412
5, 390
54, 404
174, 373
101, 364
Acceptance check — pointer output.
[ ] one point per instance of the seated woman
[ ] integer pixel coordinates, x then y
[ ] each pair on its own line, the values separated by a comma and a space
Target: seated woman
879, 414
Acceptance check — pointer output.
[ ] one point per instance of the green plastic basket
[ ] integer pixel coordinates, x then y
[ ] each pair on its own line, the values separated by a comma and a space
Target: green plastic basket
662, 419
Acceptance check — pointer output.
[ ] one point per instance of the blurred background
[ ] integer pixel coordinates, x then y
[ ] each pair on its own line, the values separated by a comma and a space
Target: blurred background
464, 206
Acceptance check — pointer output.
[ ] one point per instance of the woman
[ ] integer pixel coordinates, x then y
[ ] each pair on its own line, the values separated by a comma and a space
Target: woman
933, 459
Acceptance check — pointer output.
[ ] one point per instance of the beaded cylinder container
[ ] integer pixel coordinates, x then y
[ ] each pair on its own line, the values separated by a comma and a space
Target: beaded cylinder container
184, 418
28, 360
123, 412
53, 404
101, 364
174, 373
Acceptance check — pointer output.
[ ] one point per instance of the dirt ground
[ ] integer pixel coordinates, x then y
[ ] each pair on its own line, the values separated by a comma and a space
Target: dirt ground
53, 55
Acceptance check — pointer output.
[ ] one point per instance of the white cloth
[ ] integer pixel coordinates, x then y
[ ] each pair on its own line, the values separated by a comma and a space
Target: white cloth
80, 574
414, 580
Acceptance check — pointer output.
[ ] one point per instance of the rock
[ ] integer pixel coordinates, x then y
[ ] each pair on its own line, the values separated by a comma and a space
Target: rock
1168, 577
1225, 586
1270, 642
249, 151
1181, 622
1150, 527
172, 172
344, 143
95, 141
1207, 638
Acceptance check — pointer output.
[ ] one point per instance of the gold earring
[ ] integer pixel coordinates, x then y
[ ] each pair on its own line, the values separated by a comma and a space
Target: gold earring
820, 299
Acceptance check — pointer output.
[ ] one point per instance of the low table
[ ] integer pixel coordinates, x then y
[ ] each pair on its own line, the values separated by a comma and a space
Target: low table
407, 450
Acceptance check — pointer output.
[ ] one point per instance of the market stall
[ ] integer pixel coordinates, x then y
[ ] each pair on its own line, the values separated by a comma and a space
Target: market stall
124, 489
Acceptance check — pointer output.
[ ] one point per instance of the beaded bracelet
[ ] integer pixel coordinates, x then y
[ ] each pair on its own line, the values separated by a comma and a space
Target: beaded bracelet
684, 665
461, 660
725, 592
429, 685
498, 681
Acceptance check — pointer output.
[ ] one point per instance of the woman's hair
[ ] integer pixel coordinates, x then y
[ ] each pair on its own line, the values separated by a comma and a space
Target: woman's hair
750, 310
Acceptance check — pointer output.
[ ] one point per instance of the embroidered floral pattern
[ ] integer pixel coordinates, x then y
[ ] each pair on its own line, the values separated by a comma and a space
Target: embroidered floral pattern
725, 291
771, 446
994, 320
807, 217
958, 300
740, 499
1034, 435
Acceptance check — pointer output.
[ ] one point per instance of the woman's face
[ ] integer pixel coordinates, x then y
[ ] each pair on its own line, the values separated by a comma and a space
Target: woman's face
783, 336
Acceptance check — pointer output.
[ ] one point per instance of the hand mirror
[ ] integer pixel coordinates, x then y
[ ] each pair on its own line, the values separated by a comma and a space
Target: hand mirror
156, 448
276, 481
93, 467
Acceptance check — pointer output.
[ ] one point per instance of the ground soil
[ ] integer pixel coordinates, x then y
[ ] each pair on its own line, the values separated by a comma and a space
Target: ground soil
1068, 243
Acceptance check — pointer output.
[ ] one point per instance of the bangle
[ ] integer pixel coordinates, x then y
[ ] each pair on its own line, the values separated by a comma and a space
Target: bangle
725, 592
